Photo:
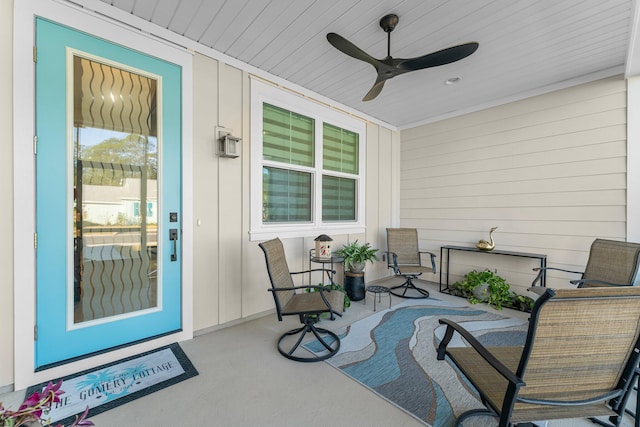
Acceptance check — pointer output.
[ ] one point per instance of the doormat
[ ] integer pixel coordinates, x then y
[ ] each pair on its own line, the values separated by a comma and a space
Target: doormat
114, 384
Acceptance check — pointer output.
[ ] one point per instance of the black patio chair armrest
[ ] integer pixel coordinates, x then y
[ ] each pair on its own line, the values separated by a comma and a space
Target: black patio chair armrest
581, 282
541, 270
330, 273
392, 260
538, 290
433, 259
293, 288
313, 269
482, 351
557, 269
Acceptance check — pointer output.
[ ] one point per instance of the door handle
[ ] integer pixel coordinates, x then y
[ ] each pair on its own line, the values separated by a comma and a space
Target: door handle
173, 236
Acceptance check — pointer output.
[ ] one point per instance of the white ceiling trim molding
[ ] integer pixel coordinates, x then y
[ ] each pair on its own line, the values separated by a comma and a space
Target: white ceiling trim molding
587, 78
332, 106
149, 29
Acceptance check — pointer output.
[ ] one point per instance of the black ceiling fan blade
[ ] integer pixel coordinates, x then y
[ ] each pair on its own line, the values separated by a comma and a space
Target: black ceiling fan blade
375, 90
441, 57
348, 48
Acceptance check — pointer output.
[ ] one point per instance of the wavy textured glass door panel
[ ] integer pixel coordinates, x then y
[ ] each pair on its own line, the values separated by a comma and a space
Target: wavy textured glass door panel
115, 189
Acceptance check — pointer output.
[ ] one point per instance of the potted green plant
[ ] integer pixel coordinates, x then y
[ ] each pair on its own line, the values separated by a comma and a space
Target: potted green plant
487, 286
356, 255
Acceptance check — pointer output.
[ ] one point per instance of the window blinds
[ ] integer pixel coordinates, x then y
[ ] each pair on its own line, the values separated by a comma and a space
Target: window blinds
287, 137
288, 194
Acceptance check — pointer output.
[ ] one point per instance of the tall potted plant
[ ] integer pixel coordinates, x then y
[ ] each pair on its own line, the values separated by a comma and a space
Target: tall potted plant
355, 257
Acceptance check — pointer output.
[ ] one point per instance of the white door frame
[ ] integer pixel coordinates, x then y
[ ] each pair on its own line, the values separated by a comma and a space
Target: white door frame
24, 178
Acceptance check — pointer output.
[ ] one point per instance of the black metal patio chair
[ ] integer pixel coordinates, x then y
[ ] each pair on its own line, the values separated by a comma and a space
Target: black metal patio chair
578, 361
307, 302
610, 263
405, 259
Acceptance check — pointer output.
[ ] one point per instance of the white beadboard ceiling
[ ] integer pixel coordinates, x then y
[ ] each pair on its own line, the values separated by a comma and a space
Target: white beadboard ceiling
526, 46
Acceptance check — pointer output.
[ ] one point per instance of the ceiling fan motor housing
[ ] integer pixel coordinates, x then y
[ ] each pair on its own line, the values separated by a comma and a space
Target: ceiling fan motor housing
389, 22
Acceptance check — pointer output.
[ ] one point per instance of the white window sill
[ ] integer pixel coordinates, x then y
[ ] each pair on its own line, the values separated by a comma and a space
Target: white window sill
302, 231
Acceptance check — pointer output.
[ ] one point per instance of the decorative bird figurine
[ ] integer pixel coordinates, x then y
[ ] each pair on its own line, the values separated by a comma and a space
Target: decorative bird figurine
483, 245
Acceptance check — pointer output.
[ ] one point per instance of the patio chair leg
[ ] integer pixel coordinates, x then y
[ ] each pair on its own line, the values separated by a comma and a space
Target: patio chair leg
407, 285
473, 413
634, 414
328, 339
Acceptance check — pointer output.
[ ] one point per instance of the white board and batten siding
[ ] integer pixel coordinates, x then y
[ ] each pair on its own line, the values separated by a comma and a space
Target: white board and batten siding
549, 171
230, 277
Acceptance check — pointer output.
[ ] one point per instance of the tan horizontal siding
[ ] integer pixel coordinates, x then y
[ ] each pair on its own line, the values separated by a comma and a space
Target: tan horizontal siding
549, 145
549, 171
577, 198
602, 181
563, 121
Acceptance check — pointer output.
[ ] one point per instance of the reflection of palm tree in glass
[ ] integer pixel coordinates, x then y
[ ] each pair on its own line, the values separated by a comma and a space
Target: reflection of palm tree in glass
124, 150
116, 183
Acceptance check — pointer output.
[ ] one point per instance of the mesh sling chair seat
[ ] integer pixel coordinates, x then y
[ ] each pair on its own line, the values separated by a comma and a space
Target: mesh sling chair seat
298, 301
405, 259
578, 359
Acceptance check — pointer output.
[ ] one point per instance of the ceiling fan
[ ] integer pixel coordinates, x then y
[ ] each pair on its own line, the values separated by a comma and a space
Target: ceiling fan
390, 67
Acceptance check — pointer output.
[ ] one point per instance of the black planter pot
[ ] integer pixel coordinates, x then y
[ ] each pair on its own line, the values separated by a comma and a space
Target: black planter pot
354, 285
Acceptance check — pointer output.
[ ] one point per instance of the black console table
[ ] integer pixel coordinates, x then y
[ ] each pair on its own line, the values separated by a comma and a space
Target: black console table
445, 252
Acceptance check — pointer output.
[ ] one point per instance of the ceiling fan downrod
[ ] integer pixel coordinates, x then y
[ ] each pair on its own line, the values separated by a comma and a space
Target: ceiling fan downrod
388, 24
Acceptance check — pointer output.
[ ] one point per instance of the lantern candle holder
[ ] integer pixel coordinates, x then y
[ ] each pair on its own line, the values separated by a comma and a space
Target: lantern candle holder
323, 246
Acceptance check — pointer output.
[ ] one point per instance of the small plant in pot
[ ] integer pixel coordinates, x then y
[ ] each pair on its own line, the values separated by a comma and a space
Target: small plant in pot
356, 255
484, 286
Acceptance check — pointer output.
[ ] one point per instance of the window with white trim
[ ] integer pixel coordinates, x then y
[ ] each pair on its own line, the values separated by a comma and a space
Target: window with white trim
307, 166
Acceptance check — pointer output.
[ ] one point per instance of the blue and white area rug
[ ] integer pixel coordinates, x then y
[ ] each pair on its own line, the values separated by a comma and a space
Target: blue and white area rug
393, 353
112, 385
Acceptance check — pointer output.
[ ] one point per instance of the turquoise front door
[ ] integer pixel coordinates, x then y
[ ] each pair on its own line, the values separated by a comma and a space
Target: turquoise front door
108, 195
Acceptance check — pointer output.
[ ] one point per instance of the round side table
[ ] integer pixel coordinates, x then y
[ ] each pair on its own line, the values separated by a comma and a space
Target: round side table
377, 292
331, 261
